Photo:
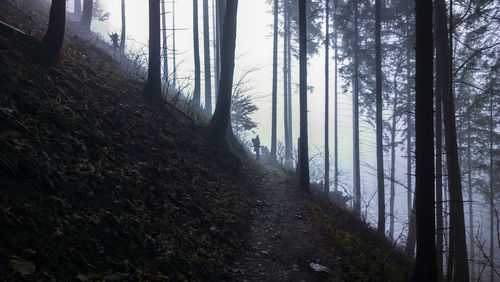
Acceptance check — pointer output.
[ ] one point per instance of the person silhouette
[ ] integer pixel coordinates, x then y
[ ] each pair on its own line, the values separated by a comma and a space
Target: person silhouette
256, 146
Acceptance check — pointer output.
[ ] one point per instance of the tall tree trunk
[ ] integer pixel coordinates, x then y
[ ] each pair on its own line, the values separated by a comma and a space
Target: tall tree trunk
412, 232
439, 179
471, 213
174, 65
355, 98
492, 207
87, 14
206, 60
327, 98
289, 93
425, 266
220, 120
275, 82
215, 30
50, 47
285, 81
164, 33
335, 142
408, 125
458, 269
124, 36
393, 155
304, 155
152, 90
196, 48
77, 12
379, 126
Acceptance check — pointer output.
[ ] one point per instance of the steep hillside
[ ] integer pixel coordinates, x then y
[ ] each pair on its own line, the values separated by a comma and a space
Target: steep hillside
97, 184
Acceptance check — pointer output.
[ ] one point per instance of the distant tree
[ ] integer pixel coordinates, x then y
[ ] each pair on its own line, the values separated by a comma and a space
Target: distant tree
174, 65
152, 90
335, 127
327, 98
123, 36
206, 60
425, 266
303, 145
48, 51
196, 48
77, 9
242, 108
87, 13
355, 118
379, 127
275, 82
164, 39
219, 123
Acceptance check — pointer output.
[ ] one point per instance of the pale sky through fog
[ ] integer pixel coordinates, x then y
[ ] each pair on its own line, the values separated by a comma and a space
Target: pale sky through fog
254, 49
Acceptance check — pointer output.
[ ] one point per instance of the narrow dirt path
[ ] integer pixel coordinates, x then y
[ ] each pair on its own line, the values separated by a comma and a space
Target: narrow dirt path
284, 239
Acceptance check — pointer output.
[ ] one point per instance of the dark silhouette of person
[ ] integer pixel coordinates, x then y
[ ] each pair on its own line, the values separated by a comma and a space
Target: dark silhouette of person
256, 146
114, 38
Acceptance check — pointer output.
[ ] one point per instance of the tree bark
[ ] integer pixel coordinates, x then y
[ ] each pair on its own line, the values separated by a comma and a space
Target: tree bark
327, 98
425, 266
379, 126
196, 48
304, 156
123, 36
356, 170
275, 82
458, 269
206, 60
152, 89
87, 14
50, 47
218, 126
439, 180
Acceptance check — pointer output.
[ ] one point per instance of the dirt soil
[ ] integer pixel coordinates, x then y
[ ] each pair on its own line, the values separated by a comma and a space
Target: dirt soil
284, 239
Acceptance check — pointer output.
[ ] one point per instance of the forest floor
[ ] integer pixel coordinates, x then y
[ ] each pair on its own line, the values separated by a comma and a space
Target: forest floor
98, 185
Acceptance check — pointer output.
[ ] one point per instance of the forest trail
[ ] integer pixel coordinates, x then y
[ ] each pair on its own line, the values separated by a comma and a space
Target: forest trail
283, 239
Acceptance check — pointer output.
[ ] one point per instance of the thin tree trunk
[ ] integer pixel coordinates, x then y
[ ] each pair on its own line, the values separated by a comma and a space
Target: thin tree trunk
285, 81
439, 180
152, 89
124, 36
393, 156
87, 14
379, 126
221, 118
215, 30
492, 208
471, 213
164, 33
275, 82
50, 47
356, 170
206, 60
412, 232
289, 94
304, 156
327, 99
408, 126
77, 9
458, 269
425, 266
335, 142
174, 65
196, 48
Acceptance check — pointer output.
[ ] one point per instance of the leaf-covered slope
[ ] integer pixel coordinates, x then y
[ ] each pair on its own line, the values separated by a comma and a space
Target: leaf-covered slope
95, 183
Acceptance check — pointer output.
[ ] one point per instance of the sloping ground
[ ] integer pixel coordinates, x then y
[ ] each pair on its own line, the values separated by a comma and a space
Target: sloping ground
97, 184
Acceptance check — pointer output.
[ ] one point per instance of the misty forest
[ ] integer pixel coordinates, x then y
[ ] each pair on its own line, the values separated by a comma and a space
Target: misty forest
251, 140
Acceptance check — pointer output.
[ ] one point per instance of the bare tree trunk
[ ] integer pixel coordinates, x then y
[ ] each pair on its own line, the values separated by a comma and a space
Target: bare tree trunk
50, 47
492, 207
327, 99
206, 60
412, 232
275, 82
285, 81
471, 213
336, 160
87, 14
196, 48
304, 156
379, 126
215, 31
174, 65
218, 126
425, 266
152, 90
164, 33
289, 94
124, 36
356, 170
458, 269
439, 180
77, 9
393, 156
